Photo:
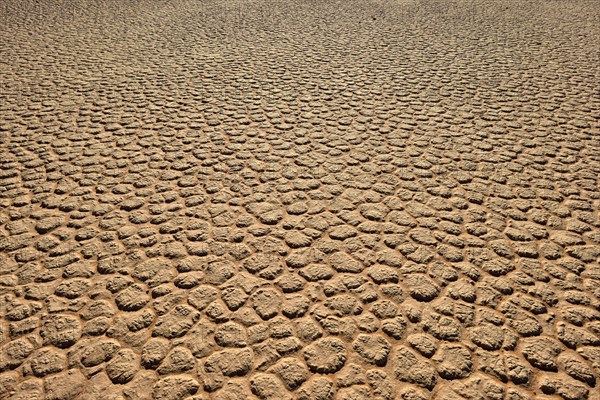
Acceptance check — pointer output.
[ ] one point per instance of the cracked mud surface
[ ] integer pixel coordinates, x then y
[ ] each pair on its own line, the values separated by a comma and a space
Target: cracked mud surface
299, 199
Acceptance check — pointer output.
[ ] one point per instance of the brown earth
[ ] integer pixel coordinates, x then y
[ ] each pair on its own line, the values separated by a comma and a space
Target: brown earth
299, 199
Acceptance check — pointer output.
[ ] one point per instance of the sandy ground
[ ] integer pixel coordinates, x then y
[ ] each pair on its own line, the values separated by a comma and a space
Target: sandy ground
299, 199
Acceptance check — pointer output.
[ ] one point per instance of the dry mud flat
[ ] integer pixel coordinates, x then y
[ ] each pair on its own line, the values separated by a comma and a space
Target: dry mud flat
299, 200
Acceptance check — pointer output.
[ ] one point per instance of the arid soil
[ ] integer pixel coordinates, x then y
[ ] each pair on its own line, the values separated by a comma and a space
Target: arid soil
300, 199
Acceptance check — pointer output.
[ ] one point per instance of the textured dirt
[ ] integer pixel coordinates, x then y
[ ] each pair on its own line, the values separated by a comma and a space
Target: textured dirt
299, 199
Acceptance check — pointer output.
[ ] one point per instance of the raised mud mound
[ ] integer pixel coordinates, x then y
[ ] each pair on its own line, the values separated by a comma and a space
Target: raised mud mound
391, 200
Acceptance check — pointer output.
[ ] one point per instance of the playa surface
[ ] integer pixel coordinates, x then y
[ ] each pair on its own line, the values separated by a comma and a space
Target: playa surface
382, 200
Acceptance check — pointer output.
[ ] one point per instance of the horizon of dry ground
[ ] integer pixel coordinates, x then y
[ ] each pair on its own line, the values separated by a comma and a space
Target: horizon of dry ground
391, 199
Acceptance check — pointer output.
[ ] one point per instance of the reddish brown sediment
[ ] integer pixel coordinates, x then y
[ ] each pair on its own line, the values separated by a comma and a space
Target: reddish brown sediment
391, 200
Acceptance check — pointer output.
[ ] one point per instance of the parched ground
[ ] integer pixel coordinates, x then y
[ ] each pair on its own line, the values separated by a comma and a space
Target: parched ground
300, 199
